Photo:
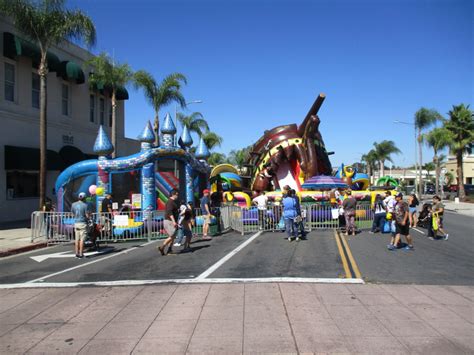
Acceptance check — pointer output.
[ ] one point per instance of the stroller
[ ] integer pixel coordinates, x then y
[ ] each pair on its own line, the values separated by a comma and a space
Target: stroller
93, 232
424, 216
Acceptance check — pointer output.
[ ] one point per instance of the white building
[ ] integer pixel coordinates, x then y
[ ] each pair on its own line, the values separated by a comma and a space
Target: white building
74, 113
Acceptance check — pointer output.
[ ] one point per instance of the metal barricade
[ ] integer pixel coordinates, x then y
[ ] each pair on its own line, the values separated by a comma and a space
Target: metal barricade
58, 227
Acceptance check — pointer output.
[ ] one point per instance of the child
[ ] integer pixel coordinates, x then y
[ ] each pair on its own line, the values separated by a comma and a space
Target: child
187, 225
180, 237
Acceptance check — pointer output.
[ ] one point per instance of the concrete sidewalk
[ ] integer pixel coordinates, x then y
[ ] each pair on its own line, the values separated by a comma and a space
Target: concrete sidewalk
463, 208
17, 240
239, 318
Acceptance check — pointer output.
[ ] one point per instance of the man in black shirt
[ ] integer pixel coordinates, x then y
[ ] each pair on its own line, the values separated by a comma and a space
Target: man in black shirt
171, 220
106, 216
216, 202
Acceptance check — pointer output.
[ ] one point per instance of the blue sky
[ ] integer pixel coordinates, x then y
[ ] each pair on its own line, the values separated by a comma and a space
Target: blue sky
259, 64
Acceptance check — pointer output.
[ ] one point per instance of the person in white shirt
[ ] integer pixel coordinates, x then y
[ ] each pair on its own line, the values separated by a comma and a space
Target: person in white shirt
261, 201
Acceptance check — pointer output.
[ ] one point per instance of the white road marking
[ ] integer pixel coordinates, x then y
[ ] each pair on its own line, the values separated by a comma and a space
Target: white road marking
40, 258
186, 281
40, 279
419, 231
227, 257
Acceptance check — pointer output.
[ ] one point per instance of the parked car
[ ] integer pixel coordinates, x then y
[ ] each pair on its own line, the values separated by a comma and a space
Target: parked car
430, 189
468, 188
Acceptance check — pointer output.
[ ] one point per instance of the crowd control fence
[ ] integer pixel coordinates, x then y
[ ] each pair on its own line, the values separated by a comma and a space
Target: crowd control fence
58, 227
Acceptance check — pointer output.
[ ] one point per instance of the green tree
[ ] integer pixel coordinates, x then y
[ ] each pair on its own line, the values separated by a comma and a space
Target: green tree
239, 157
212, 140
461, 127
438, 139
370, 160
429, 167
112, 77
47, 23
216, 159
424, 118
383, 151
162, 94
449, 178
195, 122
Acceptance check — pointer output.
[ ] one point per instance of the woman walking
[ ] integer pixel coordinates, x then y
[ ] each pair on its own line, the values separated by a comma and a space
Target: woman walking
412, 206
379, 215
289, 215
349, 205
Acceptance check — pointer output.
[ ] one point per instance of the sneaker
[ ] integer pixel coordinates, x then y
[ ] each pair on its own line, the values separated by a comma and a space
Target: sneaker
409, 247
177, 244
289, 239
297, 239
371, 232
78, 256
446, 237
162, 250
391, 247
430, 238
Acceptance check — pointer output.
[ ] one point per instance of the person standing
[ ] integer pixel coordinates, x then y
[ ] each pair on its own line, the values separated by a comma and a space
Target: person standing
438, 212
80, 211
412, 205
379, 215
350, 204
217, 197
289, 215
106, 214
261, 201
170, 222
402, 226
206, 214
187, 225
48, 207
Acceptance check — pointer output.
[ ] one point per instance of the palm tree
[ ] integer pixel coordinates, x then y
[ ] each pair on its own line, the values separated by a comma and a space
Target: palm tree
438, 139
212, 140
195, 122
461, 127
239, 157
216, 159
424, 118
370, 159
47, 23
160, 95
383, 151
429, 167
112, 77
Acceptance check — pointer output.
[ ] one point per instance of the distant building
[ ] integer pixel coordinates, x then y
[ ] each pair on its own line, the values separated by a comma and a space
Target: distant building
468, 166
74, 115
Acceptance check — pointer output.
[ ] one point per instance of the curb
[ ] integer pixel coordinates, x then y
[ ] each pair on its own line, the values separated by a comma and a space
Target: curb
22, 249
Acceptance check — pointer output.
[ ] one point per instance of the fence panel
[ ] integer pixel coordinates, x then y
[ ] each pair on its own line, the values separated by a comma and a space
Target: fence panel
58, 227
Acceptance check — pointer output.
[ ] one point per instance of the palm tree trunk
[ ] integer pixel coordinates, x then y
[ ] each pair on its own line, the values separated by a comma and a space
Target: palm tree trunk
156, 127
459, 170
420, 154
435, 158
382, 168
114, 124
43, 72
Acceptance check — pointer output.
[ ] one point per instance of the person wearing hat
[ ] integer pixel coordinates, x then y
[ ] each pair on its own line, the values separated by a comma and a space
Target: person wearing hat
170, 223
402, 223
206, 214
80, 210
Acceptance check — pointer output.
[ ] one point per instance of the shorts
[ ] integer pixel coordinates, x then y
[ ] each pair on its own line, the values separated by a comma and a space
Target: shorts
206, 218
188, 233
440, 222
170, 228
80, 231
412, 210
403, 230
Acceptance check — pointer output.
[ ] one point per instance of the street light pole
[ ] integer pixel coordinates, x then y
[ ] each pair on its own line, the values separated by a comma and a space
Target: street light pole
416, 156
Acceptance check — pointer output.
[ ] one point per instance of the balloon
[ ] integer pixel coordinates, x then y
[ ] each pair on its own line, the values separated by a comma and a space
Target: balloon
92, 189
99, 191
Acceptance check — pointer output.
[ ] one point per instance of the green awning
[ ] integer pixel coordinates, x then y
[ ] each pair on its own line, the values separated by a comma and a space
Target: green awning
14, 46
71, 71
22, 158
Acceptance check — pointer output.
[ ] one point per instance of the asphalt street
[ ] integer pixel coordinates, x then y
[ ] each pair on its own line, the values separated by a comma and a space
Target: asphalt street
323, 255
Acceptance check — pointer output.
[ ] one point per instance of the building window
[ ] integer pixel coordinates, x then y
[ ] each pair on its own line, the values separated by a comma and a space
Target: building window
102, 111
22, 184
9, 82
65, 99
91, 108
35, 90
110, 114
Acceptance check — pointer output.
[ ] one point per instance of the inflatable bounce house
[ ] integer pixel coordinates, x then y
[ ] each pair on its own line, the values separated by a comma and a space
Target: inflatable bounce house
141, 181
295, 156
